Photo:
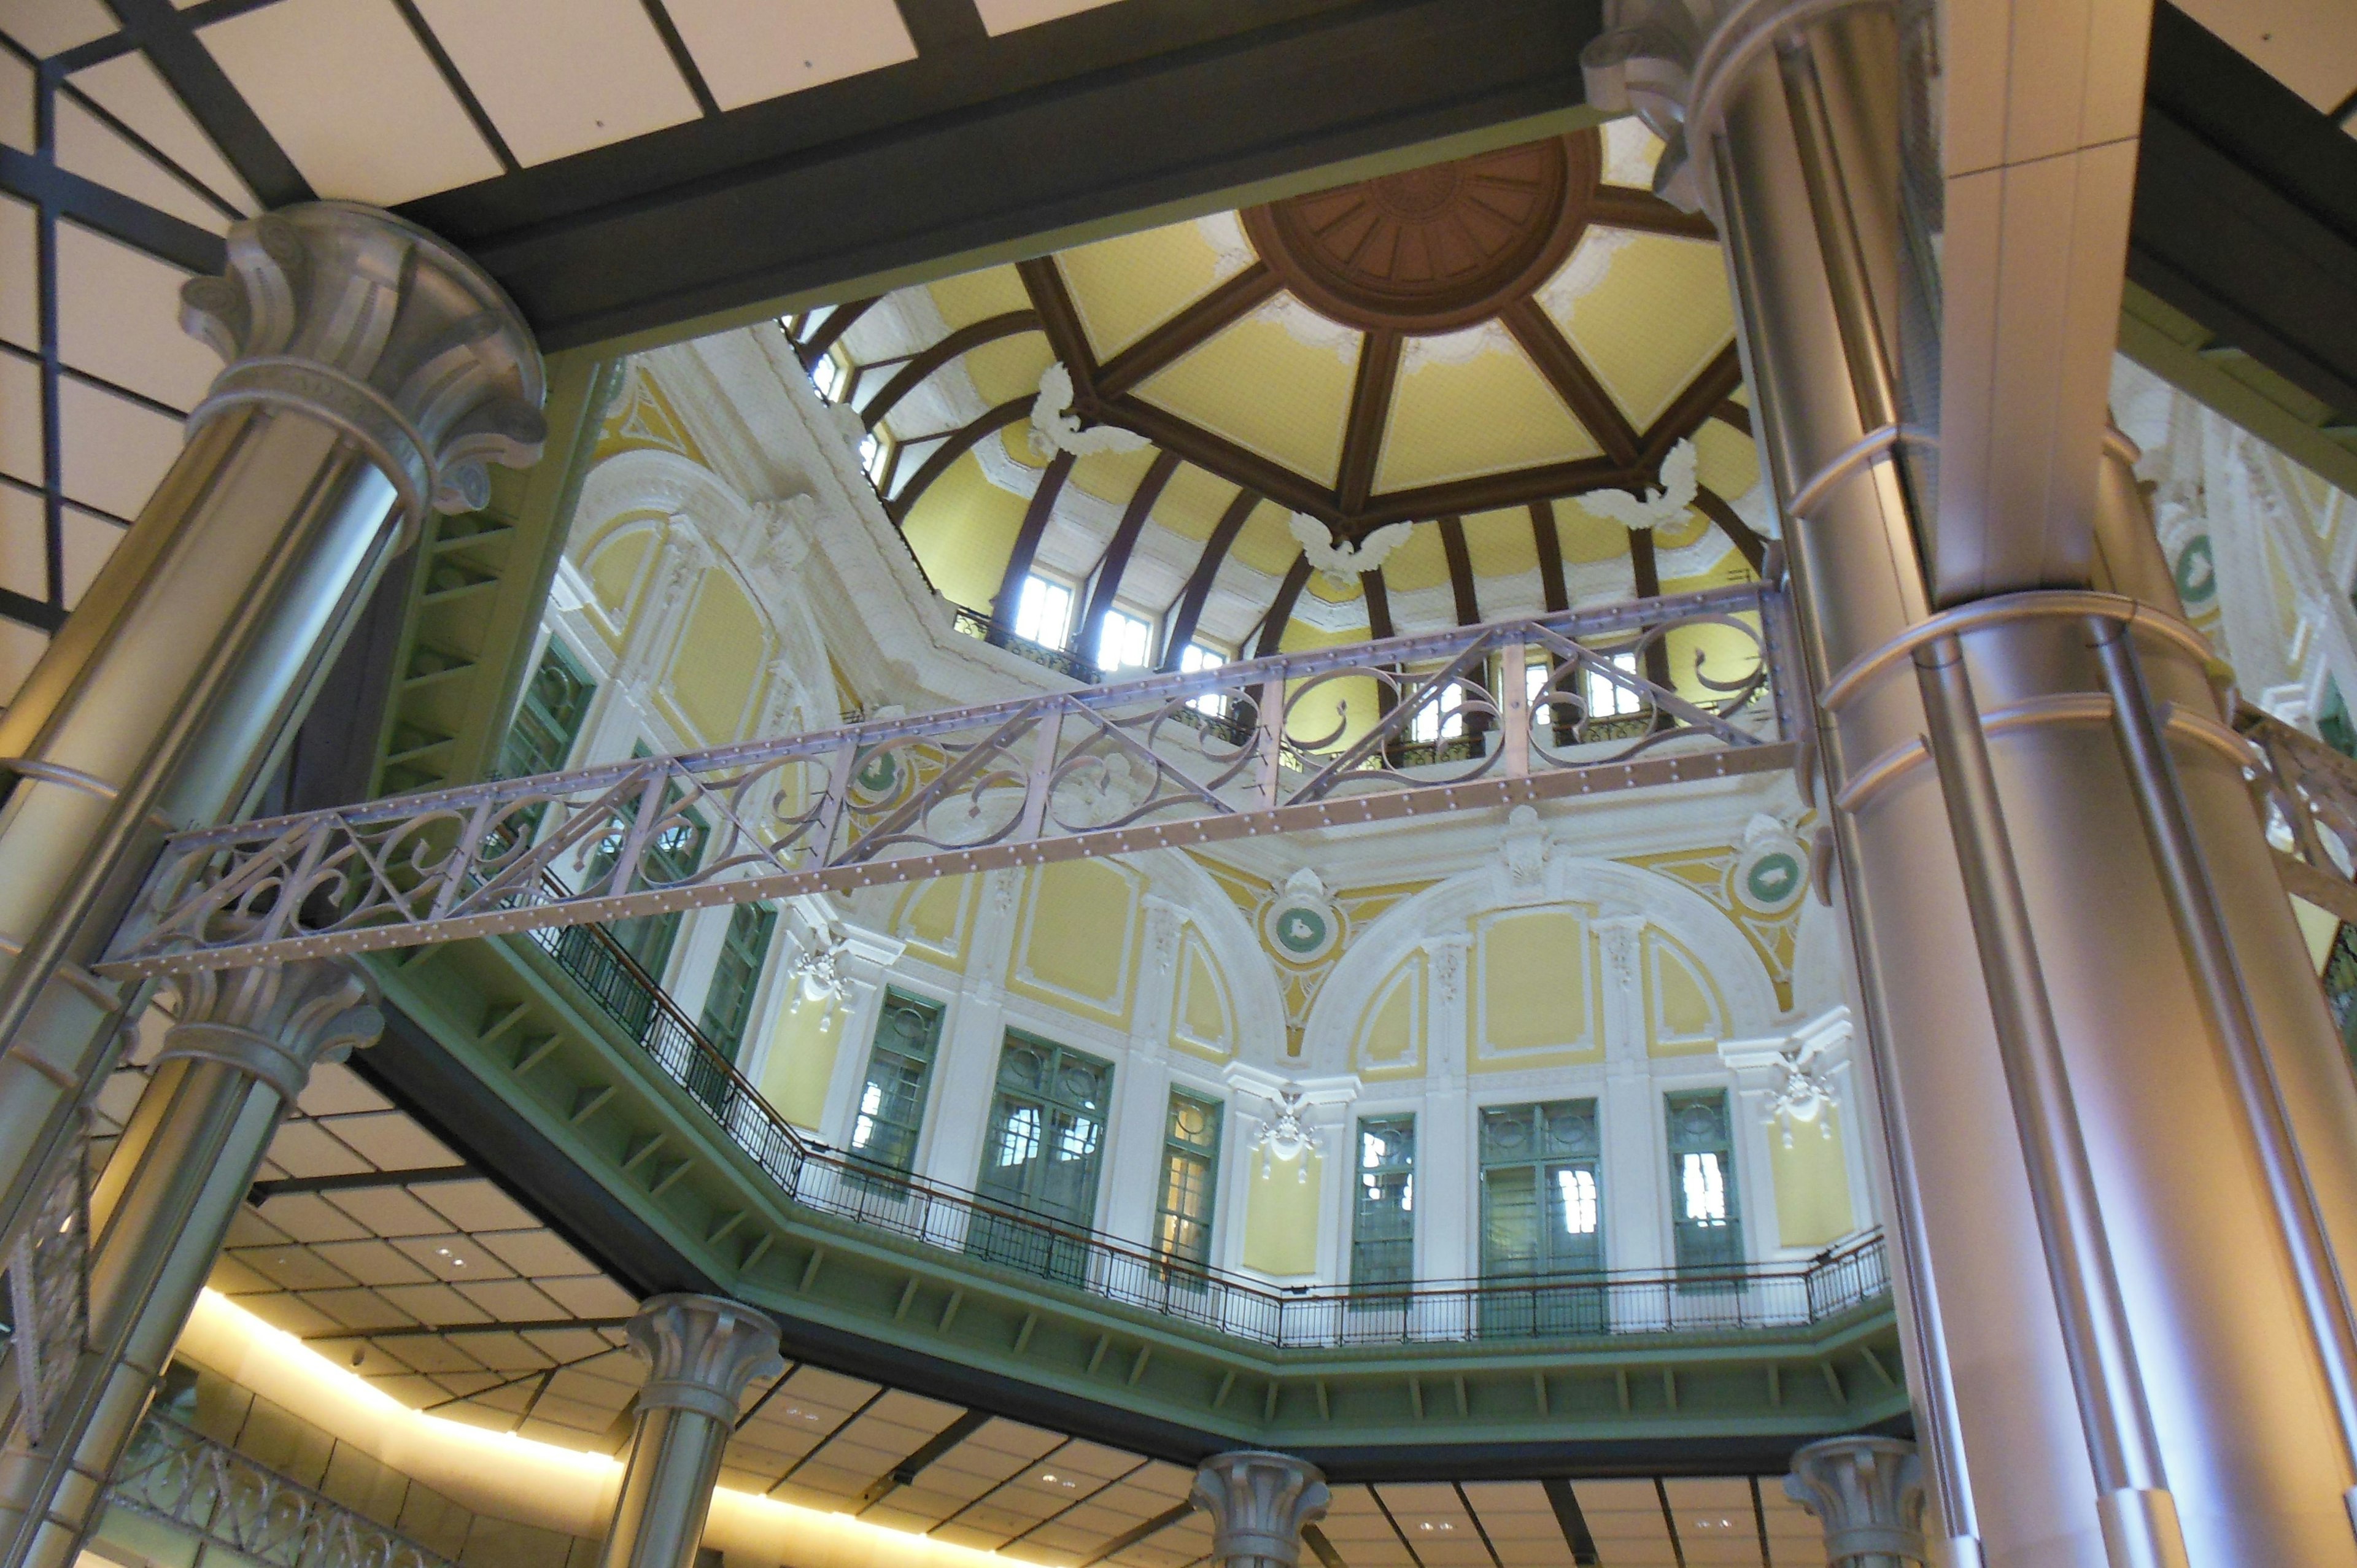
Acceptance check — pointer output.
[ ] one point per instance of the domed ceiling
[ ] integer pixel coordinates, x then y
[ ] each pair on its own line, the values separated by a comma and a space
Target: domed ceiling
1165, 419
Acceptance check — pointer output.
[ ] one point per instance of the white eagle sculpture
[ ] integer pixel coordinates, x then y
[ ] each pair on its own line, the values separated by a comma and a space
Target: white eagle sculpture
1341, 563
1662, 508
1055, 428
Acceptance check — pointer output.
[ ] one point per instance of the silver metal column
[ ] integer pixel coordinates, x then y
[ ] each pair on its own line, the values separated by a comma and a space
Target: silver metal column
1259, 1503
2126, 1136
372, 372
703, 1352
241, 1050
1868, 1492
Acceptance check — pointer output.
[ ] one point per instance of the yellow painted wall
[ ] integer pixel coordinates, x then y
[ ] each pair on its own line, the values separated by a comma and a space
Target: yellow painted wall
1683, 1010
1347, 702
963, 529
931, 916
1812, 1201
1535, 990
613, 572
1390, 1032
1080, 918
1281, 1215
717, 666
1202, 1021
802, 1050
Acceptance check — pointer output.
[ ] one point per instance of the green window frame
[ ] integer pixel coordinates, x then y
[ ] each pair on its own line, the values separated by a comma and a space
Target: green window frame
1707, 1227
1190, 1178
1042, 1154
673, 856
728, 1001
540, 739
1382, 1219
890, 1114
1542, 1193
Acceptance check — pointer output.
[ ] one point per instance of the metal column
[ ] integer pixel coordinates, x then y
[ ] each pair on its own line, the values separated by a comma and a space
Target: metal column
703, 1352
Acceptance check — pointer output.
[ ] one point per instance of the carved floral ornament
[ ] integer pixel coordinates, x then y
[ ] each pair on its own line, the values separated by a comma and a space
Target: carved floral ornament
1288, 1136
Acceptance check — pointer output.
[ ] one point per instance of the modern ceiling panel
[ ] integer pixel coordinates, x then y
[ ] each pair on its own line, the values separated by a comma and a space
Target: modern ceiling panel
1009, 15
130, 89
749, 51
346, 89
86, 146
563, 76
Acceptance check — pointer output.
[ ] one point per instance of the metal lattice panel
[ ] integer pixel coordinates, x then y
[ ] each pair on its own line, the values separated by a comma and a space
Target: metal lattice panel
48, 1290
1167, 761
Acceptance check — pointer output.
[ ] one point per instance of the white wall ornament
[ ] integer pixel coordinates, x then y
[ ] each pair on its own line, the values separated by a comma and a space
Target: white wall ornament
1286, 1136
1340, 564
1523, 850
781, 532
1659, 508
1771, 867
1301, 923
1055, 428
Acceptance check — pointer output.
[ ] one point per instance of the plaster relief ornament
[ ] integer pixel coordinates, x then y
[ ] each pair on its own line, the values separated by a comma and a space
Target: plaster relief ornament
1055, 428
1659, 509
1300, 923
1771, 870
1804, 1096
1523, 848
1341, 563
817, 975
1286, 1136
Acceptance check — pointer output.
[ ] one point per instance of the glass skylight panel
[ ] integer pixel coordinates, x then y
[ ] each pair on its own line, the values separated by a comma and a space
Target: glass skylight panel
1125, 642
1044, 613
828, 374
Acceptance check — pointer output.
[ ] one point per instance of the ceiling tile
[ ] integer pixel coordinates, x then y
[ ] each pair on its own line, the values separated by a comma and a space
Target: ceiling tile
390, 1141
130, 89
335, 1090
563, 76
1009, 15
348, 93
302, 1149
53, 27
116, 451
474, 1205
754, 49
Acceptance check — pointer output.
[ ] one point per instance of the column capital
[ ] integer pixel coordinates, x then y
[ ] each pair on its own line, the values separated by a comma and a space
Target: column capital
1869, 1491
274, 1021
371, 324
1258, 1502
703, 1352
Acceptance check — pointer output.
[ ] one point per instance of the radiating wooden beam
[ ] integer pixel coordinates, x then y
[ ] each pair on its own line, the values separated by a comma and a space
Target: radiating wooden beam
1371, 406
957, 445
1198, 591
1619, 206
1192, 326
838, 321
1461, 571
1550, 547
1027, 540
1714, 506
1280, 609
966, 338
1061, 320
1684, 415
1732, 412
1221, 456
1490, 492
1573, 382
1124, 541
1379, 605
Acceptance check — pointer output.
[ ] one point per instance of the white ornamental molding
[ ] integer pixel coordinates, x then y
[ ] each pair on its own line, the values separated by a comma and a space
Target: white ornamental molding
1055, 428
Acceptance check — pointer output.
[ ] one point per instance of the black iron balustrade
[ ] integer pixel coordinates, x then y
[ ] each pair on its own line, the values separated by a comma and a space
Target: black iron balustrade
831, 1182
1063, 661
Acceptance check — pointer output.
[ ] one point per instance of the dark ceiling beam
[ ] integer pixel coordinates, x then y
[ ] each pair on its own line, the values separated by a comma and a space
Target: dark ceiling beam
1379, 605
1188, 330
1280, 609
1370, 407
1732, 412
2245, 214
1461, 571
1489, 492
1617, 207
1221, 456
1124, 541
936, 26
965, 340
938, 461
1552, 583
262, 1192
1753, 549
1686, 413
838, 321
187, 67
1043, 281
118, 217
681, 61
1206, 569
992, 146
1647, 570
1027, 540
1573, 382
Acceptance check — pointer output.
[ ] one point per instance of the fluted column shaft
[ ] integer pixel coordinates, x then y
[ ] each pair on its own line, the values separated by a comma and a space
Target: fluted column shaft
239, 1053
372, 372
2123, 1139
703, 1352
1259, 1502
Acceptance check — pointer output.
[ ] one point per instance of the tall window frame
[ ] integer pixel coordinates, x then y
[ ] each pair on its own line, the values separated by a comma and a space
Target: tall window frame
728, 1009
887, 1120
1382, 1206
1187, 1201
1706, 1200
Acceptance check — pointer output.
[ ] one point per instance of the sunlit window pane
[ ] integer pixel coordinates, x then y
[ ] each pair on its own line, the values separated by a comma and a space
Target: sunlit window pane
1125, 642
1706, 1189
1608, 698
1044, 613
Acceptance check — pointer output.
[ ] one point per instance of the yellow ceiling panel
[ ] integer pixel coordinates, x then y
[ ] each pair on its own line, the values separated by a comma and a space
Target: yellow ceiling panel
1418, 562
1017, 439
1587, 537
1500, 542
563, 76
970, 298
1649, 326
963, 529
1729, 462
1684, 531
1631, 150
1484, 415
1125, 286
345, 87
1267, 391
1263, 543
1321, 587
1009, 367
750, 50
1193, 502
1111, 475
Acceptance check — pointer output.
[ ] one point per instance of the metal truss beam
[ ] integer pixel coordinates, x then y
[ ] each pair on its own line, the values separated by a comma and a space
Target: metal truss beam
1293, 741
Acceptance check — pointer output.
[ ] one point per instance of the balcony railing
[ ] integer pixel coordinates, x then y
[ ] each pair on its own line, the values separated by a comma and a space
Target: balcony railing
828, 1181
186, 1481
